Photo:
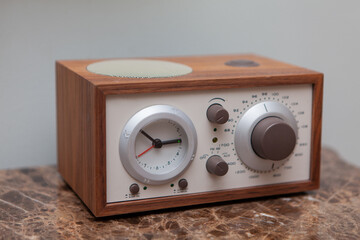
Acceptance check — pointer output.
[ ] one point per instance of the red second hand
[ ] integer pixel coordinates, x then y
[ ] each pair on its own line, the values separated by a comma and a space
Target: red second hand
145, 151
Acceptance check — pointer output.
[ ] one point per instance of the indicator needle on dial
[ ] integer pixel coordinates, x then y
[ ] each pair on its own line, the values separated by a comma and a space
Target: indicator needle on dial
145, 151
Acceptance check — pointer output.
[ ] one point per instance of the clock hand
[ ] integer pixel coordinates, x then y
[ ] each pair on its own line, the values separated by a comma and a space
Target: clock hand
171, 141
147, 135
158, 143
145, 151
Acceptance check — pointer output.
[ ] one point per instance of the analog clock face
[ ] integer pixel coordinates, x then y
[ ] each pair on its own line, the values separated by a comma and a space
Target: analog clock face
161, 146
157, 144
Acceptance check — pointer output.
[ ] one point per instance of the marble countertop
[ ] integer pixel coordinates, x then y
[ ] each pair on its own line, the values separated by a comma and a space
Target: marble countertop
35, 203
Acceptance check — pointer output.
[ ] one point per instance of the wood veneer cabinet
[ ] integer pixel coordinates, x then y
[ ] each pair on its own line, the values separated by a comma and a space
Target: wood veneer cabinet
81, 123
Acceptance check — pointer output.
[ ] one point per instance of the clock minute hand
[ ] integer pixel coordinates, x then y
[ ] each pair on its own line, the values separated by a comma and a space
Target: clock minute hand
171, 141
147, 135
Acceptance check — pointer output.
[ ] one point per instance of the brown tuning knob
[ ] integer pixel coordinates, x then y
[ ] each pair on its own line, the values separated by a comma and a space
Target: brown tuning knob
216, 165
217, 114
273, 139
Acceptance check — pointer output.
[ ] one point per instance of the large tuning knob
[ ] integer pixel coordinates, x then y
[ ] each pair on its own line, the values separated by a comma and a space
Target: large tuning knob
273, 139
265, 136
217, 114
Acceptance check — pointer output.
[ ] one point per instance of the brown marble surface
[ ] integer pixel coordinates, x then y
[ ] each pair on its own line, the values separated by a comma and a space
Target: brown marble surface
35, 203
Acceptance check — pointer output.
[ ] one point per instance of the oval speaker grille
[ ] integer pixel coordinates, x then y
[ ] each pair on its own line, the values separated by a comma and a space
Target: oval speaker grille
139, 68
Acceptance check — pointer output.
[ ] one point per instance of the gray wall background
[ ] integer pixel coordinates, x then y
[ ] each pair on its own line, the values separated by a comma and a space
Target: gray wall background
322, 35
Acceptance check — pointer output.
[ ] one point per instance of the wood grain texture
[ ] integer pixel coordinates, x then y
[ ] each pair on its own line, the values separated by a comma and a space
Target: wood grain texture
209, 72
81, 113
316, 124
206, 197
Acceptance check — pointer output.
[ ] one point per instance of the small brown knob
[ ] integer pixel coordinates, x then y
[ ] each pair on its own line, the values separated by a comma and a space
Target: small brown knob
183, 183
217, 114
134, 188
273, 139
216, 165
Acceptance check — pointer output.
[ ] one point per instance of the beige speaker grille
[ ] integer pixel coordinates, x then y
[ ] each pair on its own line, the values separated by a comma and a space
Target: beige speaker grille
139, 68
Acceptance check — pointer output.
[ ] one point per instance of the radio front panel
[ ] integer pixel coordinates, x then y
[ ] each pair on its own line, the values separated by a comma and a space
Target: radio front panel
212, 140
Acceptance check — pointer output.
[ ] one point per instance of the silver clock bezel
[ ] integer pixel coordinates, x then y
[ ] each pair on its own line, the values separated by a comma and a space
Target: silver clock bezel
246, 126
143, 118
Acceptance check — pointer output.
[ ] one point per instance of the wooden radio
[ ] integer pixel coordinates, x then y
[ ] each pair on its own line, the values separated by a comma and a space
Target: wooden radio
143, 134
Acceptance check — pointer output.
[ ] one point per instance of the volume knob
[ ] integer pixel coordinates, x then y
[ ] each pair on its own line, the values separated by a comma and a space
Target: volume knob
216, 165
273, 139
217, 114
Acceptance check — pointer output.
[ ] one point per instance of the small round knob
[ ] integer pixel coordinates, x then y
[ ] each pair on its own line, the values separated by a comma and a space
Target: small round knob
216, 165
134, 188
273, 139
183, 183
217, 114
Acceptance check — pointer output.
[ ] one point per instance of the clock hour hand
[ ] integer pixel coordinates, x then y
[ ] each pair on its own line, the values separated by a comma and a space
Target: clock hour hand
147, 135
171, 141
158, 143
